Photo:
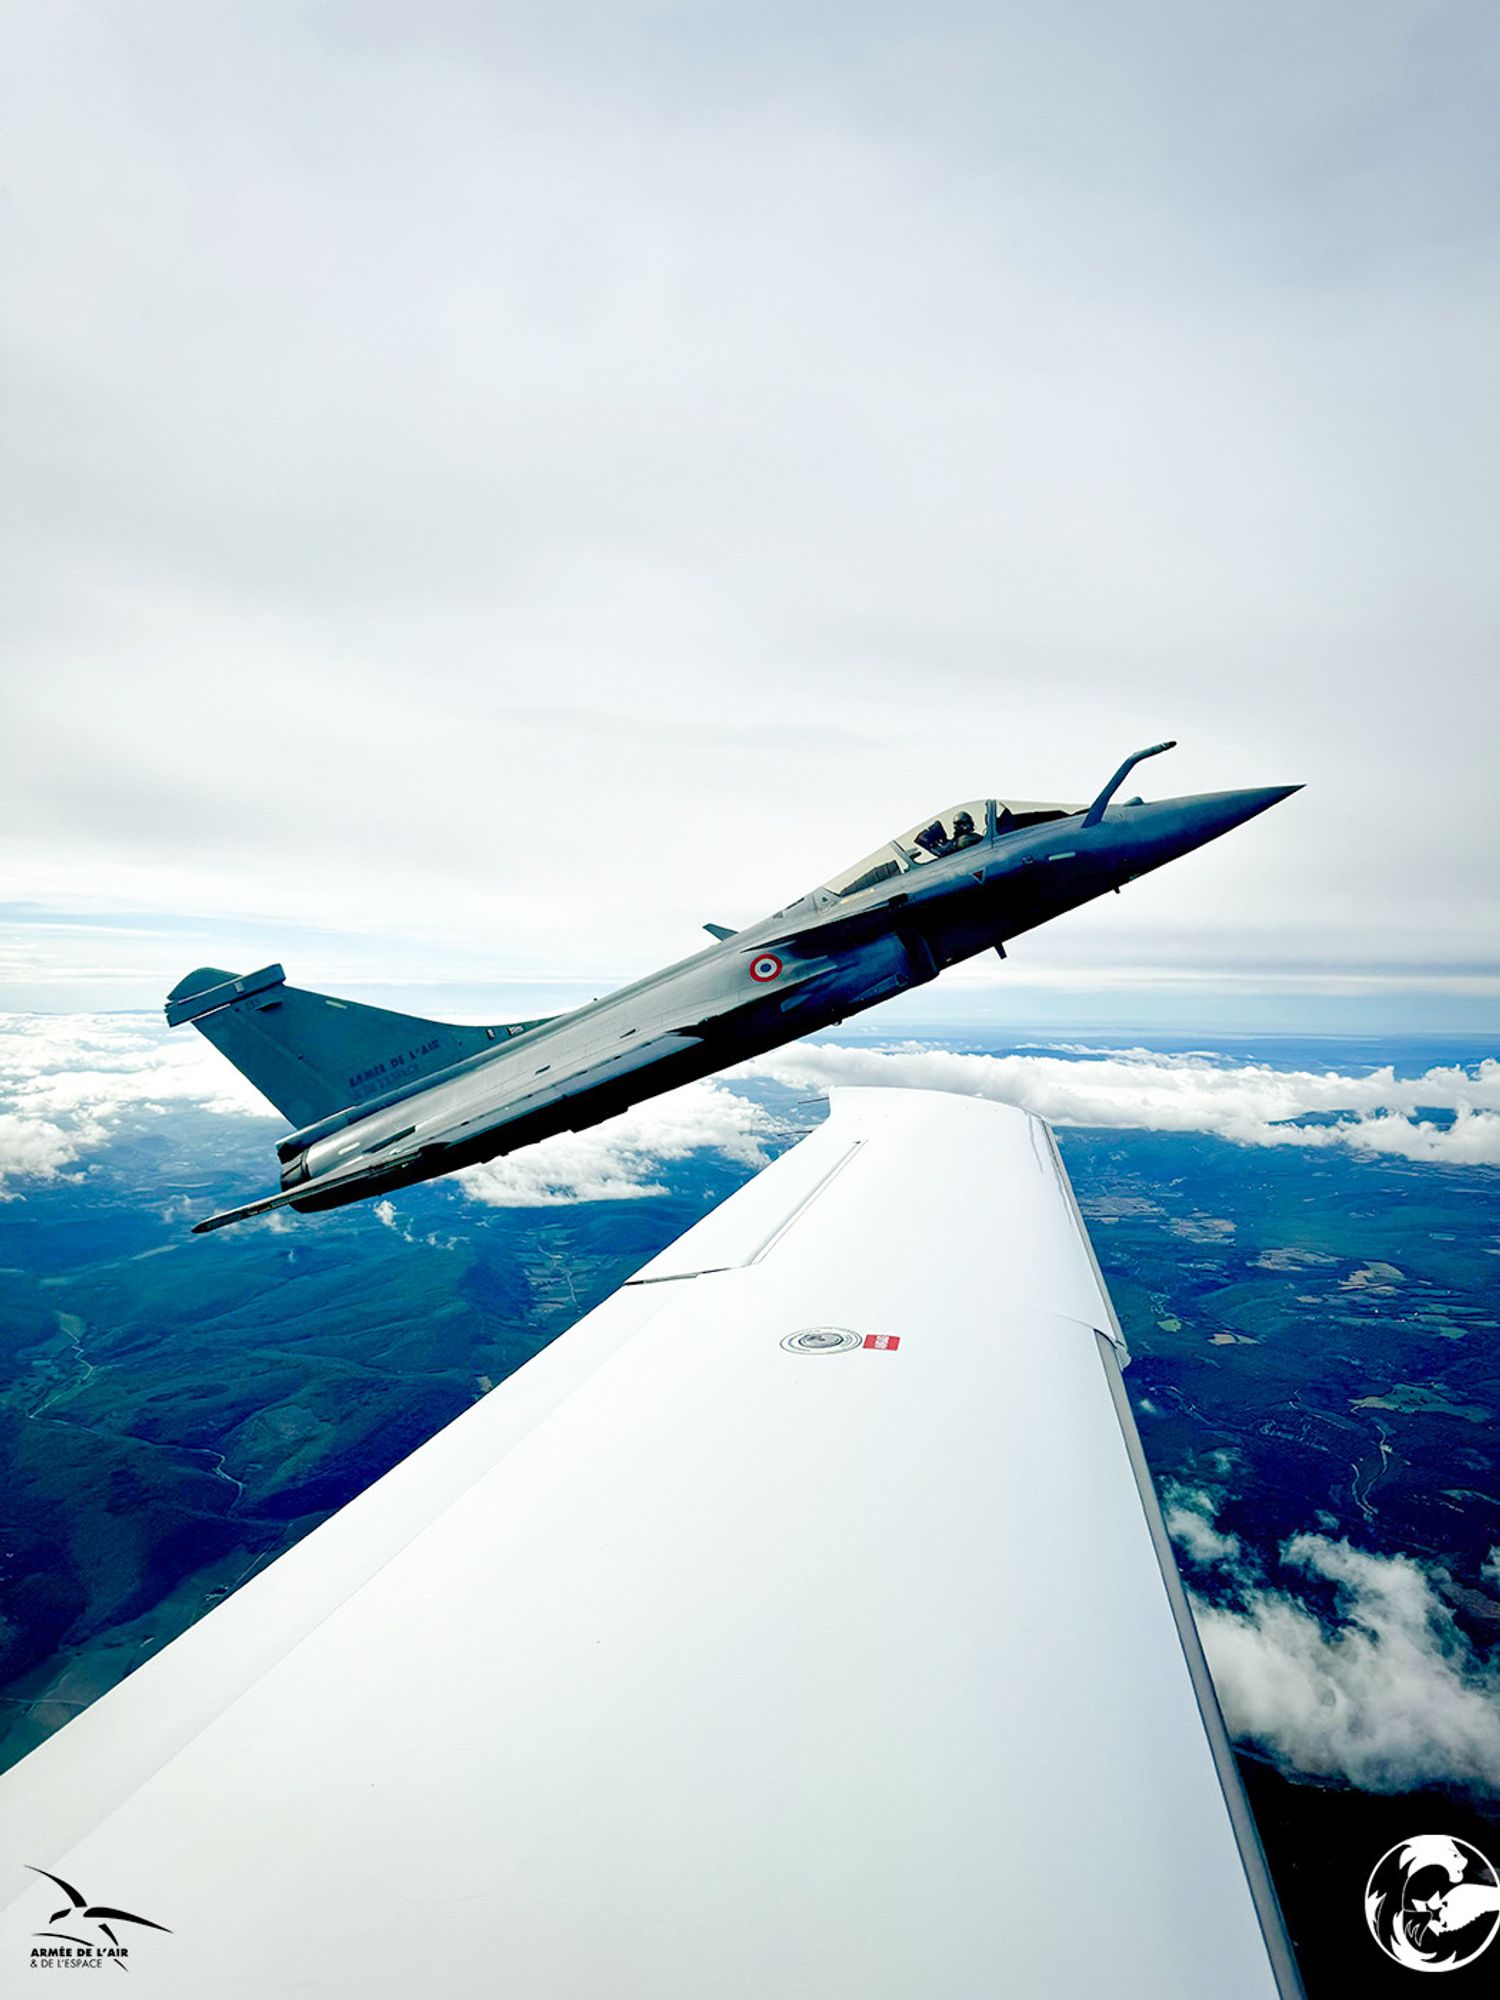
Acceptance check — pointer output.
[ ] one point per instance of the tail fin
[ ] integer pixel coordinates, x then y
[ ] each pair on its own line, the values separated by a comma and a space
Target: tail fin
312, 1055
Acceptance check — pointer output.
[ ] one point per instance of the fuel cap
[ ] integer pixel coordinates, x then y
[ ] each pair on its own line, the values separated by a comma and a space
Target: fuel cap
822, 1340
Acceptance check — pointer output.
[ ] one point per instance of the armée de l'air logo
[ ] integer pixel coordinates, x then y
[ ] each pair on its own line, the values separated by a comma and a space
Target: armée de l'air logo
84, 1935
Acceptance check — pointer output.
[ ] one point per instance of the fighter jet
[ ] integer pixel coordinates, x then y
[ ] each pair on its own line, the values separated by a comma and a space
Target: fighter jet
381, 1100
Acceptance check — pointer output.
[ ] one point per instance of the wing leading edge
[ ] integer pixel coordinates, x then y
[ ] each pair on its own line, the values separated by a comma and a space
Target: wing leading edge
800, 1622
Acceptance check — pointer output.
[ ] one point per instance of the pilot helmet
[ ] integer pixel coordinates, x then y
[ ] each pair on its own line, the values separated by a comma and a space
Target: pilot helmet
963, 822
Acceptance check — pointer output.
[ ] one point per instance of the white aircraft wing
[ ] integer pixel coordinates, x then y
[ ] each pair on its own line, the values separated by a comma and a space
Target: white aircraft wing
799, 1625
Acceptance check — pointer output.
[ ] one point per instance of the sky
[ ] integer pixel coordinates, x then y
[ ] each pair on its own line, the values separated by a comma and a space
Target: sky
488, 489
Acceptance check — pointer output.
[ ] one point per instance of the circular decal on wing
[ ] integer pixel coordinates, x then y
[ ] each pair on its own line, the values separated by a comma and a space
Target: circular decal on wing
822, 1340
767, 966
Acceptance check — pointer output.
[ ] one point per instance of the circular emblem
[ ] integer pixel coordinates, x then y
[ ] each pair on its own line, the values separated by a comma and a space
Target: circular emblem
822, 1340
1433, 1903
767, 966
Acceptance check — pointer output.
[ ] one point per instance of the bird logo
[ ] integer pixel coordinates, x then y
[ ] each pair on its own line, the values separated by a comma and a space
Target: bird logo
78, 1910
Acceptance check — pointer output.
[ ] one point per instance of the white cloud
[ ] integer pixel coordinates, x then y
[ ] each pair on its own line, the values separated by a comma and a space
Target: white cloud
33, 1148
68, 1083
1247, 1102
385, 1213
1189, 1517
619, 1160
71, 1082
507, 459
1388, 1693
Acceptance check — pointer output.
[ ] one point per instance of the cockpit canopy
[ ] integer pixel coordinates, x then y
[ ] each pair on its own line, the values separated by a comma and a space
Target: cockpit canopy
972, 824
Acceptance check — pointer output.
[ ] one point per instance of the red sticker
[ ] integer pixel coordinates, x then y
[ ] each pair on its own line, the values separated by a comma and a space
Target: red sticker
767, 966
887, 1340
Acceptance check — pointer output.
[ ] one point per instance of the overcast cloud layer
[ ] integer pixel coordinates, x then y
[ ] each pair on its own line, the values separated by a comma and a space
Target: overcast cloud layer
503, 485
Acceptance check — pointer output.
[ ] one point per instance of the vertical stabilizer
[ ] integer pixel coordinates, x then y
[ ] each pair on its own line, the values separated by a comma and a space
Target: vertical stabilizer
312, 1055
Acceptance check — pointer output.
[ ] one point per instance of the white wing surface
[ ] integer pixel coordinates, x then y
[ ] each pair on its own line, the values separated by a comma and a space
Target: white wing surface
799, 1625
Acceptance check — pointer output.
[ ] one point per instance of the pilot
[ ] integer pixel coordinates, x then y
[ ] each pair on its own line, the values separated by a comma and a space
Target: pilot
965, 834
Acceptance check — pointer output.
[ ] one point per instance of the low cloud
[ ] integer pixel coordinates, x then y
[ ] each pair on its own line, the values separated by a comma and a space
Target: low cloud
386, 1214
71, 1082
32, 1148
1190, 1523
1388, 1692
621, 1159
1250, 1103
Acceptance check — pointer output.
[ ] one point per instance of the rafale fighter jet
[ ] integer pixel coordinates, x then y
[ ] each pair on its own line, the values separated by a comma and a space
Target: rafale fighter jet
382, 1099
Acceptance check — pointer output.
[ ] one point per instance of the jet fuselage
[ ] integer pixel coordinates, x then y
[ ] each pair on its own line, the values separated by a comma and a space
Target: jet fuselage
833, 953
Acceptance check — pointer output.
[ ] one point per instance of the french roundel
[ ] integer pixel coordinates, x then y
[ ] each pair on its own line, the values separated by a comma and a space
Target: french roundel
767, 966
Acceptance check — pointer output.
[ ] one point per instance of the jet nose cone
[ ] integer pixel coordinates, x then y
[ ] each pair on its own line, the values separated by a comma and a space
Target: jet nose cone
1180, 825
1226, 809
